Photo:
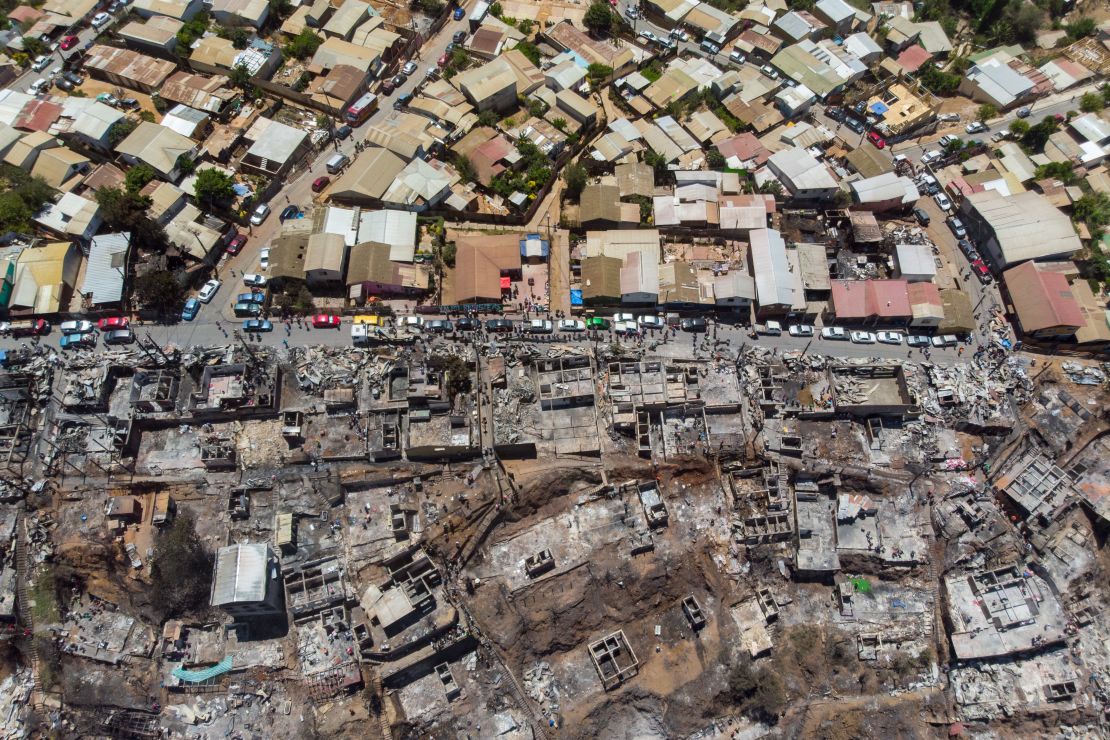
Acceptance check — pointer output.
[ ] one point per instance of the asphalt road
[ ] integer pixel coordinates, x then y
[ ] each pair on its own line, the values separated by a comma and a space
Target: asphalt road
85, 35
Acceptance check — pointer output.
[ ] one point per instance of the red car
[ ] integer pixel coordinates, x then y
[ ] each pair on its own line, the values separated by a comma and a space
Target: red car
236, 244
325, 321
875, 139
982, 271
112, 323
320, 183
69, 42
443, 60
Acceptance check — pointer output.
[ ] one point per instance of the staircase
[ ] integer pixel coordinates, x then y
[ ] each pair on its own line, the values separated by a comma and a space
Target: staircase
383, 723
23, 601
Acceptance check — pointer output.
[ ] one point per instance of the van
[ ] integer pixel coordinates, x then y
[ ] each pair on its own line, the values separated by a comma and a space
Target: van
337, 162
771, 329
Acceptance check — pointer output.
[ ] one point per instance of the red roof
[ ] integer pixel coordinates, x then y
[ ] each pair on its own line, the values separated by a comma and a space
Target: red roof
861, 299
912, 57
38, 115
744, 147
1041, 299
923, 293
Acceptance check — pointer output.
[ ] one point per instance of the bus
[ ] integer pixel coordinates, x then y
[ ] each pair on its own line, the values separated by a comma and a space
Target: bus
361, 109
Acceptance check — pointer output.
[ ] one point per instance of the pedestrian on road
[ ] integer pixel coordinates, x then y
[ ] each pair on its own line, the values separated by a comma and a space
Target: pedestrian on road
285, 342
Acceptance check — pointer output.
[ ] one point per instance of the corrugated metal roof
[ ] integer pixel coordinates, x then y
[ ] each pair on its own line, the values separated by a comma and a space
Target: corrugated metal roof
105, 268
773, 281
241, 574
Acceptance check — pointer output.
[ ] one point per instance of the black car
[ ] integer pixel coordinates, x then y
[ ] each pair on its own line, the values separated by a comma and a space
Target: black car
440, 326
922, 216
459, 37
64, 84
467, 324
398, 80
289, 212
694, 325
73, 77
343, 132
834, 113
499, 325
855, 124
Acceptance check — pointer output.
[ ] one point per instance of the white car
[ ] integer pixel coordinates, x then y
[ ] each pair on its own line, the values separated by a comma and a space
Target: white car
260, 214
624, 327
889, 337
947, 139
945, 340
538, 326
75, 327
412, 322
208, 291
801, 330
930, 156
619, 317
863, 337
409, 68
652, 322
40, 86
834, 332
942, 201
975, 127
1000, 135
769, 71
648, 35
917, 340
100, 20
254, 280
40, 63
572, 325
264, 258
948, 117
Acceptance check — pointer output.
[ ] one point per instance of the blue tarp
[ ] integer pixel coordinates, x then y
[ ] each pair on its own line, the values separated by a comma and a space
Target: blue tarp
205, 674
576, 298
879, 108
241, 189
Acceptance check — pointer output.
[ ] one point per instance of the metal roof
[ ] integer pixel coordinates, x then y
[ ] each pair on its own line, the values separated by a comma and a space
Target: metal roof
241, 574
773, 281
1026, 225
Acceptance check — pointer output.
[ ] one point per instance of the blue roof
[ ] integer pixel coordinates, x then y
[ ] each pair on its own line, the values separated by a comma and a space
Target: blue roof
576, 297
879, 108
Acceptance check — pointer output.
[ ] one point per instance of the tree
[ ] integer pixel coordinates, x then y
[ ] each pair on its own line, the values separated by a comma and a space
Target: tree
185, 165
240, 77
715, 159
530, 51
214, 187
34, 46
456, 371
120, 130
1019, 127
237, 35
465, 168
559, 123
192, 30
598, 73
181, 569
525, 26
658, 163
1091, 103
14, 214
128, 211
1037, 136
280, 8
575, 176
1093, 209
431, 7
21, 197
1062, 171
138, 176
159, 290
303, 45
487, 118
771, 187
1082, 28
954, 145
495, 10
598, 18
987, 112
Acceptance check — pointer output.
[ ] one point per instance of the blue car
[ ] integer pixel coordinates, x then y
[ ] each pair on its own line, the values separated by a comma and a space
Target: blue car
76, 341
257, 325
458, 14
258, 298
191, 309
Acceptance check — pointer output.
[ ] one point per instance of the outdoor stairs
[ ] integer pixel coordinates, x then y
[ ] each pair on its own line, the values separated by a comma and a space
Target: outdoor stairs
23, 598
383, 723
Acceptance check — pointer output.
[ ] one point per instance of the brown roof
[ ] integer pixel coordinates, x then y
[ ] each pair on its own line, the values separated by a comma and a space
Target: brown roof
479, 262
1042, 299
342, 85
198, 91
369, 262
104, 176
601, 278
486, 158
486, 40
287, 256
129, 65
600, 203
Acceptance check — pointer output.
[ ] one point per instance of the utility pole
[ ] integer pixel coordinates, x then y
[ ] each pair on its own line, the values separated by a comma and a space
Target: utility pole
157, 347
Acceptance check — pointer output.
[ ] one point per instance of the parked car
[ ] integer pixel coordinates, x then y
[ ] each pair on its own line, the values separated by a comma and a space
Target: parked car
110, 323
695, 325
499, 326
208, 291
1024, 112
800, 330
63, 84
100, 20
957, 227
75, 327
458, 14
874, 138
1002, 135
438, 326
467, 324
68, 42
257, 326
966, 248
947, 139
648, 36
652, 322
41, 62
944, 340
78, 340
680, 34
409, 68
917, 340
325, 321
623, 317
922, 216
834, 332
710, 48
40, 86
128, 103
260, 214
254, 280
243, 309
862, 337
948, 117
236, 244
73, 77
931, 156
120, 336
343, 132
289, 212
252, 297
855, 124
574, 325
632, 12
770, 71
458, 37
979, 267
443, 59
410, 322
975, 127
597, 322
737, 57
402, 101
929, 184
264, 259
889, 337
538, 326
387, 87
190, 310
942, 201
624, 327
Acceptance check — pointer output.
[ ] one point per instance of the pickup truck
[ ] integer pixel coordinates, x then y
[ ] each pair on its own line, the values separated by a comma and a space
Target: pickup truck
29, 327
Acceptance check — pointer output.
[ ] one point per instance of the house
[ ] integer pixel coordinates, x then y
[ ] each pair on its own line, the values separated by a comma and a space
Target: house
797, 25
885, 192
564, 75
601, 280
349, 16
564, 36
712, 23
635, 178
926, 305
325, 260
160, 147
106, 271
367, 178
824, 67
335, 51
371, 272
1064, 73
802, 176
600, 207
870, 302
44, 278
778, 288
995, 82
915, 262
421, 185
734, 291
252, 13
187, 121
863, 47
481, 264
275, 147
86, 123
576, 107
680, 289
247, 583
339, 88
24, 151
1042, 301
73, 216
794, 101
158, 34
1011, 229
127, 68
839, 15
216, 55
201, 92
497, 84
178, 10
166, 201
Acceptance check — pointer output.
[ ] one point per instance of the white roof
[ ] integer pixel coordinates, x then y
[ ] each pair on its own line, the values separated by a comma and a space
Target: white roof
676, 133
240, 574
392, 227
278, 143
771, 268
625, 128
862, 45
1091, 127
105, 268
418, 180
884, 187
916, 259
999, 81
836, 10
11, 105
1026, 225
801, 170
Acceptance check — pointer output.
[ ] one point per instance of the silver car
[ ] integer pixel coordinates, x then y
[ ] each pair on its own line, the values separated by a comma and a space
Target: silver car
862, 337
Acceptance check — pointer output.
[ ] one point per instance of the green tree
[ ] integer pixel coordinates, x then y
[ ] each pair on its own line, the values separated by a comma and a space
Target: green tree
715, 159
658, 163
303, 45
598, 73
432, 7
1093, 209
495, 10
34, 46
237, 35
530, 51
181, 569
1036, 137
456, 371
987, 112
937, 81
240, 77
1062, 171
575, 176
465, 168
1018, 128
128, 211
599, 18
1081, 28
525, 26
1091, 103
487, 118
192, 30
559, 123
160, 291
214, 187
120, 130
280, 8
15, 216
138, 176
